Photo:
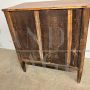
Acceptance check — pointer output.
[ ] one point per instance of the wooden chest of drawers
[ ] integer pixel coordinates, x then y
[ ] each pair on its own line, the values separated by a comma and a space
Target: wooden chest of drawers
50, 34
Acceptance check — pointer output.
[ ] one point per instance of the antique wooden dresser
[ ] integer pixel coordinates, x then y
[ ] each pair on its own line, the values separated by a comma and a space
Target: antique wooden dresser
50, 34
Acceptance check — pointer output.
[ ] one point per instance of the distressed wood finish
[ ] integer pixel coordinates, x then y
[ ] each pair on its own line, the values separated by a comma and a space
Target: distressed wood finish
14, 37
50, 34
45, 5
38, 29
83, 39
26, 34
76, 24
54, 32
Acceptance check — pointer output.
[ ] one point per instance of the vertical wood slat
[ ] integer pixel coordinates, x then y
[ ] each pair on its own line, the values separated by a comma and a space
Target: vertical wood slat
83, 39
69, 36
38, 29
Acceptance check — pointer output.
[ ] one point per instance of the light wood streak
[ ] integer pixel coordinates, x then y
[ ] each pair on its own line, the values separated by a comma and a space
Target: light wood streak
38, 29
69, 36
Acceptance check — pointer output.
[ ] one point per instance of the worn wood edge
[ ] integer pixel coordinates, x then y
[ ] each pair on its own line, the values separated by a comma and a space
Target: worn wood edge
13, 34
38, 30
69, 36
11, 27
46, 8
12, 30
83, 40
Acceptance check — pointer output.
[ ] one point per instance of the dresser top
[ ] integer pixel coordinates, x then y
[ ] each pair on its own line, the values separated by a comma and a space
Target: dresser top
61, 4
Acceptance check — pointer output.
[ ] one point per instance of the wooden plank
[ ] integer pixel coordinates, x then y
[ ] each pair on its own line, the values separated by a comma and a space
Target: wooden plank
54, 29
47, 8
61, 4
77, 14
83, 39
69, 36
63, 67
38, 29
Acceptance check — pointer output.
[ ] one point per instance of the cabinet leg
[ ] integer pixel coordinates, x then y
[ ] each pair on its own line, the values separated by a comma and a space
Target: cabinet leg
22, 63
23, 66
79, 75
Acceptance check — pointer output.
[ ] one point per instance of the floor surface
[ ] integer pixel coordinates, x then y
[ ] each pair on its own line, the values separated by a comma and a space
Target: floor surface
37, 78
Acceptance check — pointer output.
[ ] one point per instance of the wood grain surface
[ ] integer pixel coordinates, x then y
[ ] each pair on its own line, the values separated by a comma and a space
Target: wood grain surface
57, 35
61, 4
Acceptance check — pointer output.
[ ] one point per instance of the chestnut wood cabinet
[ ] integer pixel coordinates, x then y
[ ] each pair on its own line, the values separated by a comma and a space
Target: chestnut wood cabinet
51, 34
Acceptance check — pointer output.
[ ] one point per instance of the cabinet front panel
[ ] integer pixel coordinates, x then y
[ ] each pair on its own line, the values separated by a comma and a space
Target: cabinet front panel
26, 37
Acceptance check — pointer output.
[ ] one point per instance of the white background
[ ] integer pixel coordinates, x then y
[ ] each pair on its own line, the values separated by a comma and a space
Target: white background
5, 37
